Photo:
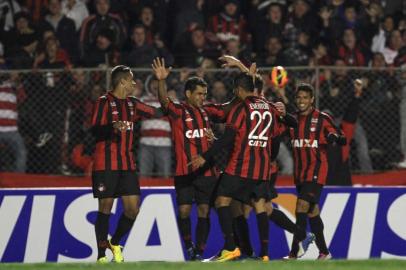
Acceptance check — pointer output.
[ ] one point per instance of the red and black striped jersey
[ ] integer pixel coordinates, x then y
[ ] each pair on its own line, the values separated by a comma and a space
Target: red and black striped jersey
114, 149
188, 126
309, 144
255, 123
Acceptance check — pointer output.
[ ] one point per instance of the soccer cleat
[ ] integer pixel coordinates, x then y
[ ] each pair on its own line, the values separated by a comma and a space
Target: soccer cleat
304, 245
291, 256
264, 258
116, 250
324, 257
102, 260
192, 253
227, 255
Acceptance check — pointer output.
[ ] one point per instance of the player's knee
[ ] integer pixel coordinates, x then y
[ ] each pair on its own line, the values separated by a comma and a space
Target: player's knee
302, 206
315, 211
269, 208
184, 211
203, 210
222, 202
132, 213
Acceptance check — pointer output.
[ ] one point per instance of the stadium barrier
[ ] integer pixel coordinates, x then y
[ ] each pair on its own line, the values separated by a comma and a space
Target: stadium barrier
55, 224
54, 107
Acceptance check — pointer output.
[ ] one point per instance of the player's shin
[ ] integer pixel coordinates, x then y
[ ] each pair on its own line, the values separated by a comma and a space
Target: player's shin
123, 227
202, 232
263, 230
241, 235
317, 227
226, 223
102, 229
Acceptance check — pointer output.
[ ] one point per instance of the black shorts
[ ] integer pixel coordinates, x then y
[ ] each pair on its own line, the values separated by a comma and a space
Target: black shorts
272, 190
194, 188
242, 189
309, 191
114, 184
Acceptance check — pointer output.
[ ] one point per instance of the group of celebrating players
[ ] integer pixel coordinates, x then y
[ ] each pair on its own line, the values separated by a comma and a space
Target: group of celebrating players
253, 130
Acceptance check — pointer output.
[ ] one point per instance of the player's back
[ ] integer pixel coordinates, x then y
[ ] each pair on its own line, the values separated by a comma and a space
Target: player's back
253, 121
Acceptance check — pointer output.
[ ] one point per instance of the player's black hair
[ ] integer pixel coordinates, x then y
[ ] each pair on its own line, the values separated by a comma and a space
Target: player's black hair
259, 82
192, 83
245, 81
118, 73
305, 87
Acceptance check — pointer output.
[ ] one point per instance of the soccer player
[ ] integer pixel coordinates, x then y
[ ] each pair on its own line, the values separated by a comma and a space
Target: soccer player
249, 128
309, 140
189, 123
114, 168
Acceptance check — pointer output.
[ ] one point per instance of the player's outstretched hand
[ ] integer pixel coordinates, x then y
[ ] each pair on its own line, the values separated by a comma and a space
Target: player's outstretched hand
229, 61
120, 125
160, 71
197, 162
358, 87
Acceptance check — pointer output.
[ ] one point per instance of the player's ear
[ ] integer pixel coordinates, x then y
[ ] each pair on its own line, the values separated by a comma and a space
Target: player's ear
188, 93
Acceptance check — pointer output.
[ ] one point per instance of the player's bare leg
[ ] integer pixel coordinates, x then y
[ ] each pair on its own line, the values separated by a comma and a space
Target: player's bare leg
125, 223
102, 227
263, 227
317, 227
202, 228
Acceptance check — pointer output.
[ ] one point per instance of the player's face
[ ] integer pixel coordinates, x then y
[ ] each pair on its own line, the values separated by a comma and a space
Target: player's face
197, 97
304, 101
129, 84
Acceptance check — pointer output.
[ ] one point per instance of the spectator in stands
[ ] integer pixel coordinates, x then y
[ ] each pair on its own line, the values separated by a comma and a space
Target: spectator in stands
273, 26
75, 10
63, 27
343, 80
155, 153
234, 48
190, 15
228, 24
320, 54
25, 55
301, 20
299, 53
192, 48
37, 8
219, 93
380, 106
8, 10
104, 52
273, 53
94, 24
9, 134
147, 19
350, 51
142, 53
53, 56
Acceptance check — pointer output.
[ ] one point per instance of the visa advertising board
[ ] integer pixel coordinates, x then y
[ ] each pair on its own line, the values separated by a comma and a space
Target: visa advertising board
56, 225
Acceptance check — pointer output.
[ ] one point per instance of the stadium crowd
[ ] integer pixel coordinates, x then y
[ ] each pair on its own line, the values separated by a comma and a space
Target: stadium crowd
53, 108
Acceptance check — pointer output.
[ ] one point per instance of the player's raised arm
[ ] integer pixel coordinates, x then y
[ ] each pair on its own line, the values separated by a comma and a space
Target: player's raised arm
161, 73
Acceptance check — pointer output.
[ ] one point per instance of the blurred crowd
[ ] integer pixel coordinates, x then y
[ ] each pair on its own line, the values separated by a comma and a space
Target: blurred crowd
44, 113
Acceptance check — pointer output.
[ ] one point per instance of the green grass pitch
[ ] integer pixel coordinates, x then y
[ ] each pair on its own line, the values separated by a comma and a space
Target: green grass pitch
243, 265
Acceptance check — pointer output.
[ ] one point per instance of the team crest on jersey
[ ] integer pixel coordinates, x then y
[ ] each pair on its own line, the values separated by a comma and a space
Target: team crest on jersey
101, 187
313, 129
112, 104
115, 112
130, 103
